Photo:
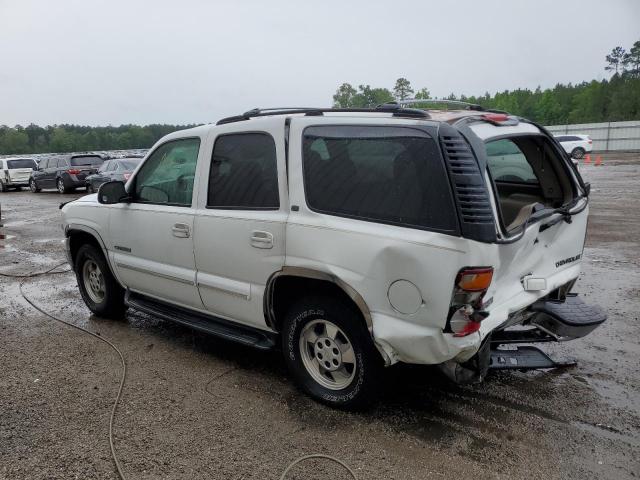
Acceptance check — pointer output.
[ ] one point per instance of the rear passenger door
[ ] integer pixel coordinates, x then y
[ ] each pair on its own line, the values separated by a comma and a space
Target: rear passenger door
239, 231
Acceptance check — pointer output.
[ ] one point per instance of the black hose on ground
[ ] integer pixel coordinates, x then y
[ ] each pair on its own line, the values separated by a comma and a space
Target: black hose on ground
23, 279
51, 271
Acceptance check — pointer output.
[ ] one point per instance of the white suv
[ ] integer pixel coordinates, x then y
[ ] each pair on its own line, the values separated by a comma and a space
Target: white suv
351, 239
15, 172
576, 145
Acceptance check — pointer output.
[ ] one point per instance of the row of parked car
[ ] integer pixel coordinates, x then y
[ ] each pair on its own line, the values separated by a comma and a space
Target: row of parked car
68, 172
65, 173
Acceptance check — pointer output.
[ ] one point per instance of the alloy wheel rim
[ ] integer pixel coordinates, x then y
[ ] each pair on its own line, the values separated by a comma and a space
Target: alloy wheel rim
60, 186
93, 281
32, 185
327, 354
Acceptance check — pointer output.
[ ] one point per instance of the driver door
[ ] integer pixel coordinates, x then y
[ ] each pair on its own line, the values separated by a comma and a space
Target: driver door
152, 236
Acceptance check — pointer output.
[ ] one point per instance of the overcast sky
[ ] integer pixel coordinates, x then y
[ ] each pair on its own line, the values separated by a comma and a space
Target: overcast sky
187, 61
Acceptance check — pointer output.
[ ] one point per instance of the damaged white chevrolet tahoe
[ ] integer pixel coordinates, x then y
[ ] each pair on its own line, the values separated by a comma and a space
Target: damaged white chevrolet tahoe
350, 238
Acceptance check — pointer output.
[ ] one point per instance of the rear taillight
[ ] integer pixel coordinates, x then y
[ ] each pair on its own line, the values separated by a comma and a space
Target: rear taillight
589, 141
73, 171
127, 175
465, 312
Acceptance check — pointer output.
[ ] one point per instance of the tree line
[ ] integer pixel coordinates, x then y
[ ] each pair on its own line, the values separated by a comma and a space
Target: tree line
78, 138
614, 99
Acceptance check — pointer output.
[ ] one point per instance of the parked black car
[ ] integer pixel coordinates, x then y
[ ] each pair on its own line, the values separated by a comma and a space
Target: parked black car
64, 172
115, 169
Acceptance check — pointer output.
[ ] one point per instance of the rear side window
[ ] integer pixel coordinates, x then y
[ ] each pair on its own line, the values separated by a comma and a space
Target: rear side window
21, 163
382, 174
88, 160
61, 163
507, 163
244, 173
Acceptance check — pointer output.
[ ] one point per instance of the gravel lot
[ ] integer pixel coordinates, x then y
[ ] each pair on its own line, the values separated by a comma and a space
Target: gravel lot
198, 407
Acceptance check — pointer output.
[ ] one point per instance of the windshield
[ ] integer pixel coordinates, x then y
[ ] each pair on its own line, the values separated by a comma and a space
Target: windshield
22, 163
88, 160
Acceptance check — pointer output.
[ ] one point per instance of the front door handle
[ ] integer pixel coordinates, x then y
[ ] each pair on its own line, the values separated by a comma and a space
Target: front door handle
261, 239
181, 230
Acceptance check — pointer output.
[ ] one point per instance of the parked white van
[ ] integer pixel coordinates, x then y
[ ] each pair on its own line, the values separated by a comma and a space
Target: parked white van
15, 172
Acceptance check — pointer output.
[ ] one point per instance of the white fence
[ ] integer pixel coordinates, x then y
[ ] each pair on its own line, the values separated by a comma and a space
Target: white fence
606, 136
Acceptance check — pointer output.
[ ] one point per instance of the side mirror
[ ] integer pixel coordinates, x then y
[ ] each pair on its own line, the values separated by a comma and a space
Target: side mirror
587, 188
112, 192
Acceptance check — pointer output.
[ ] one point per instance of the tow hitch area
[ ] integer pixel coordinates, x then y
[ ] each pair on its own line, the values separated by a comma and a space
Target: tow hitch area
552, 321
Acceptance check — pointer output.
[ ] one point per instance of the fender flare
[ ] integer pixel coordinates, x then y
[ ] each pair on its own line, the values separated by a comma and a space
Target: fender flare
68, 229
316, 275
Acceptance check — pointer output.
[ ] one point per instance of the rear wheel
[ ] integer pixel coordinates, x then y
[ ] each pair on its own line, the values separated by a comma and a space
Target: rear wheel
33, 186
90, 188
577, 152
98, 287
60, 186
330, 353
3, 187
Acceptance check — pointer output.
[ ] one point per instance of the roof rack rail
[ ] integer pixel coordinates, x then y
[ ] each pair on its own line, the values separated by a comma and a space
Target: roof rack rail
393, 107
467, 105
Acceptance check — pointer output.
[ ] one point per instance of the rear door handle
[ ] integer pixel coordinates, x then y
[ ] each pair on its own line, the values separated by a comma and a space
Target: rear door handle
261, 239
181, 230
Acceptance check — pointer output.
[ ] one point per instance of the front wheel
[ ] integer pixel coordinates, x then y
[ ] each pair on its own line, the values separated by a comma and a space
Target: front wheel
33, 186
3, 187
330, 354
61, 187
98, 287
90, 188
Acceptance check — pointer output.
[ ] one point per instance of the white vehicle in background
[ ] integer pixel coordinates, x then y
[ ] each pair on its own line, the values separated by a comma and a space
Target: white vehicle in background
349, 239
576, 145
15, 172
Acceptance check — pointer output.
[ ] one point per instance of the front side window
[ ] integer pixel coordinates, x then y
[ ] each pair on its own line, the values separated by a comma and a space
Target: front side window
168, 174
382, 174
507, 163
244, 173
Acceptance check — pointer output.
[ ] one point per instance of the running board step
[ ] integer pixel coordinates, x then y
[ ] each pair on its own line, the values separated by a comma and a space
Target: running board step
219, 327
523, 357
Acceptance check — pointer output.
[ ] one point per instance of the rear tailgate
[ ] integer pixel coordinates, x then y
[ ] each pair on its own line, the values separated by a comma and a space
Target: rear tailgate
19, 175
542, 237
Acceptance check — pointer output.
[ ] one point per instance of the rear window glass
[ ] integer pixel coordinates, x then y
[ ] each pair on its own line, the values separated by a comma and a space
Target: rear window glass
89, 160
128, 164
507, 163
21, 163
383, 174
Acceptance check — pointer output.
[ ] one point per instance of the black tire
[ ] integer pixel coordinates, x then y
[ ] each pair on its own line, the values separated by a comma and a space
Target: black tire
33, 186
577, 152
90, 188
61, 186
3, 187
112, 304
363, 387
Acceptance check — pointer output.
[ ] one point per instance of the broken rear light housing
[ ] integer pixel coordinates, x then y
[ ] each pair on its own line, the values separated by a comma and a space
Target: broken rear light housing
465, 310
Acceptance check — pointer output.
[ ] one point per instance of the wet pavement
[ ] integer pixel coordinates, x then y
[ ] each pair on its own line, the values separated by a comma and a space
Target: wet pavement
198, 407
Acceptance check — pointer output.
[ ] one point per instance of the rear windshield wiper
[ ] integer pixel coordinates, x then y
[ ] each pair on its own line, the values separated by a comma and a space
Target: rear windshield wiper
565, 212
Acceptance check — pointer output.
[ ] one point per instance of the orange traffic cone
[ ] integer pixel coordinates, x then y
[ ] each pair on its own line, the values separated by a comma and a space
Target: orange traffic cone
587, 158
598, 161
